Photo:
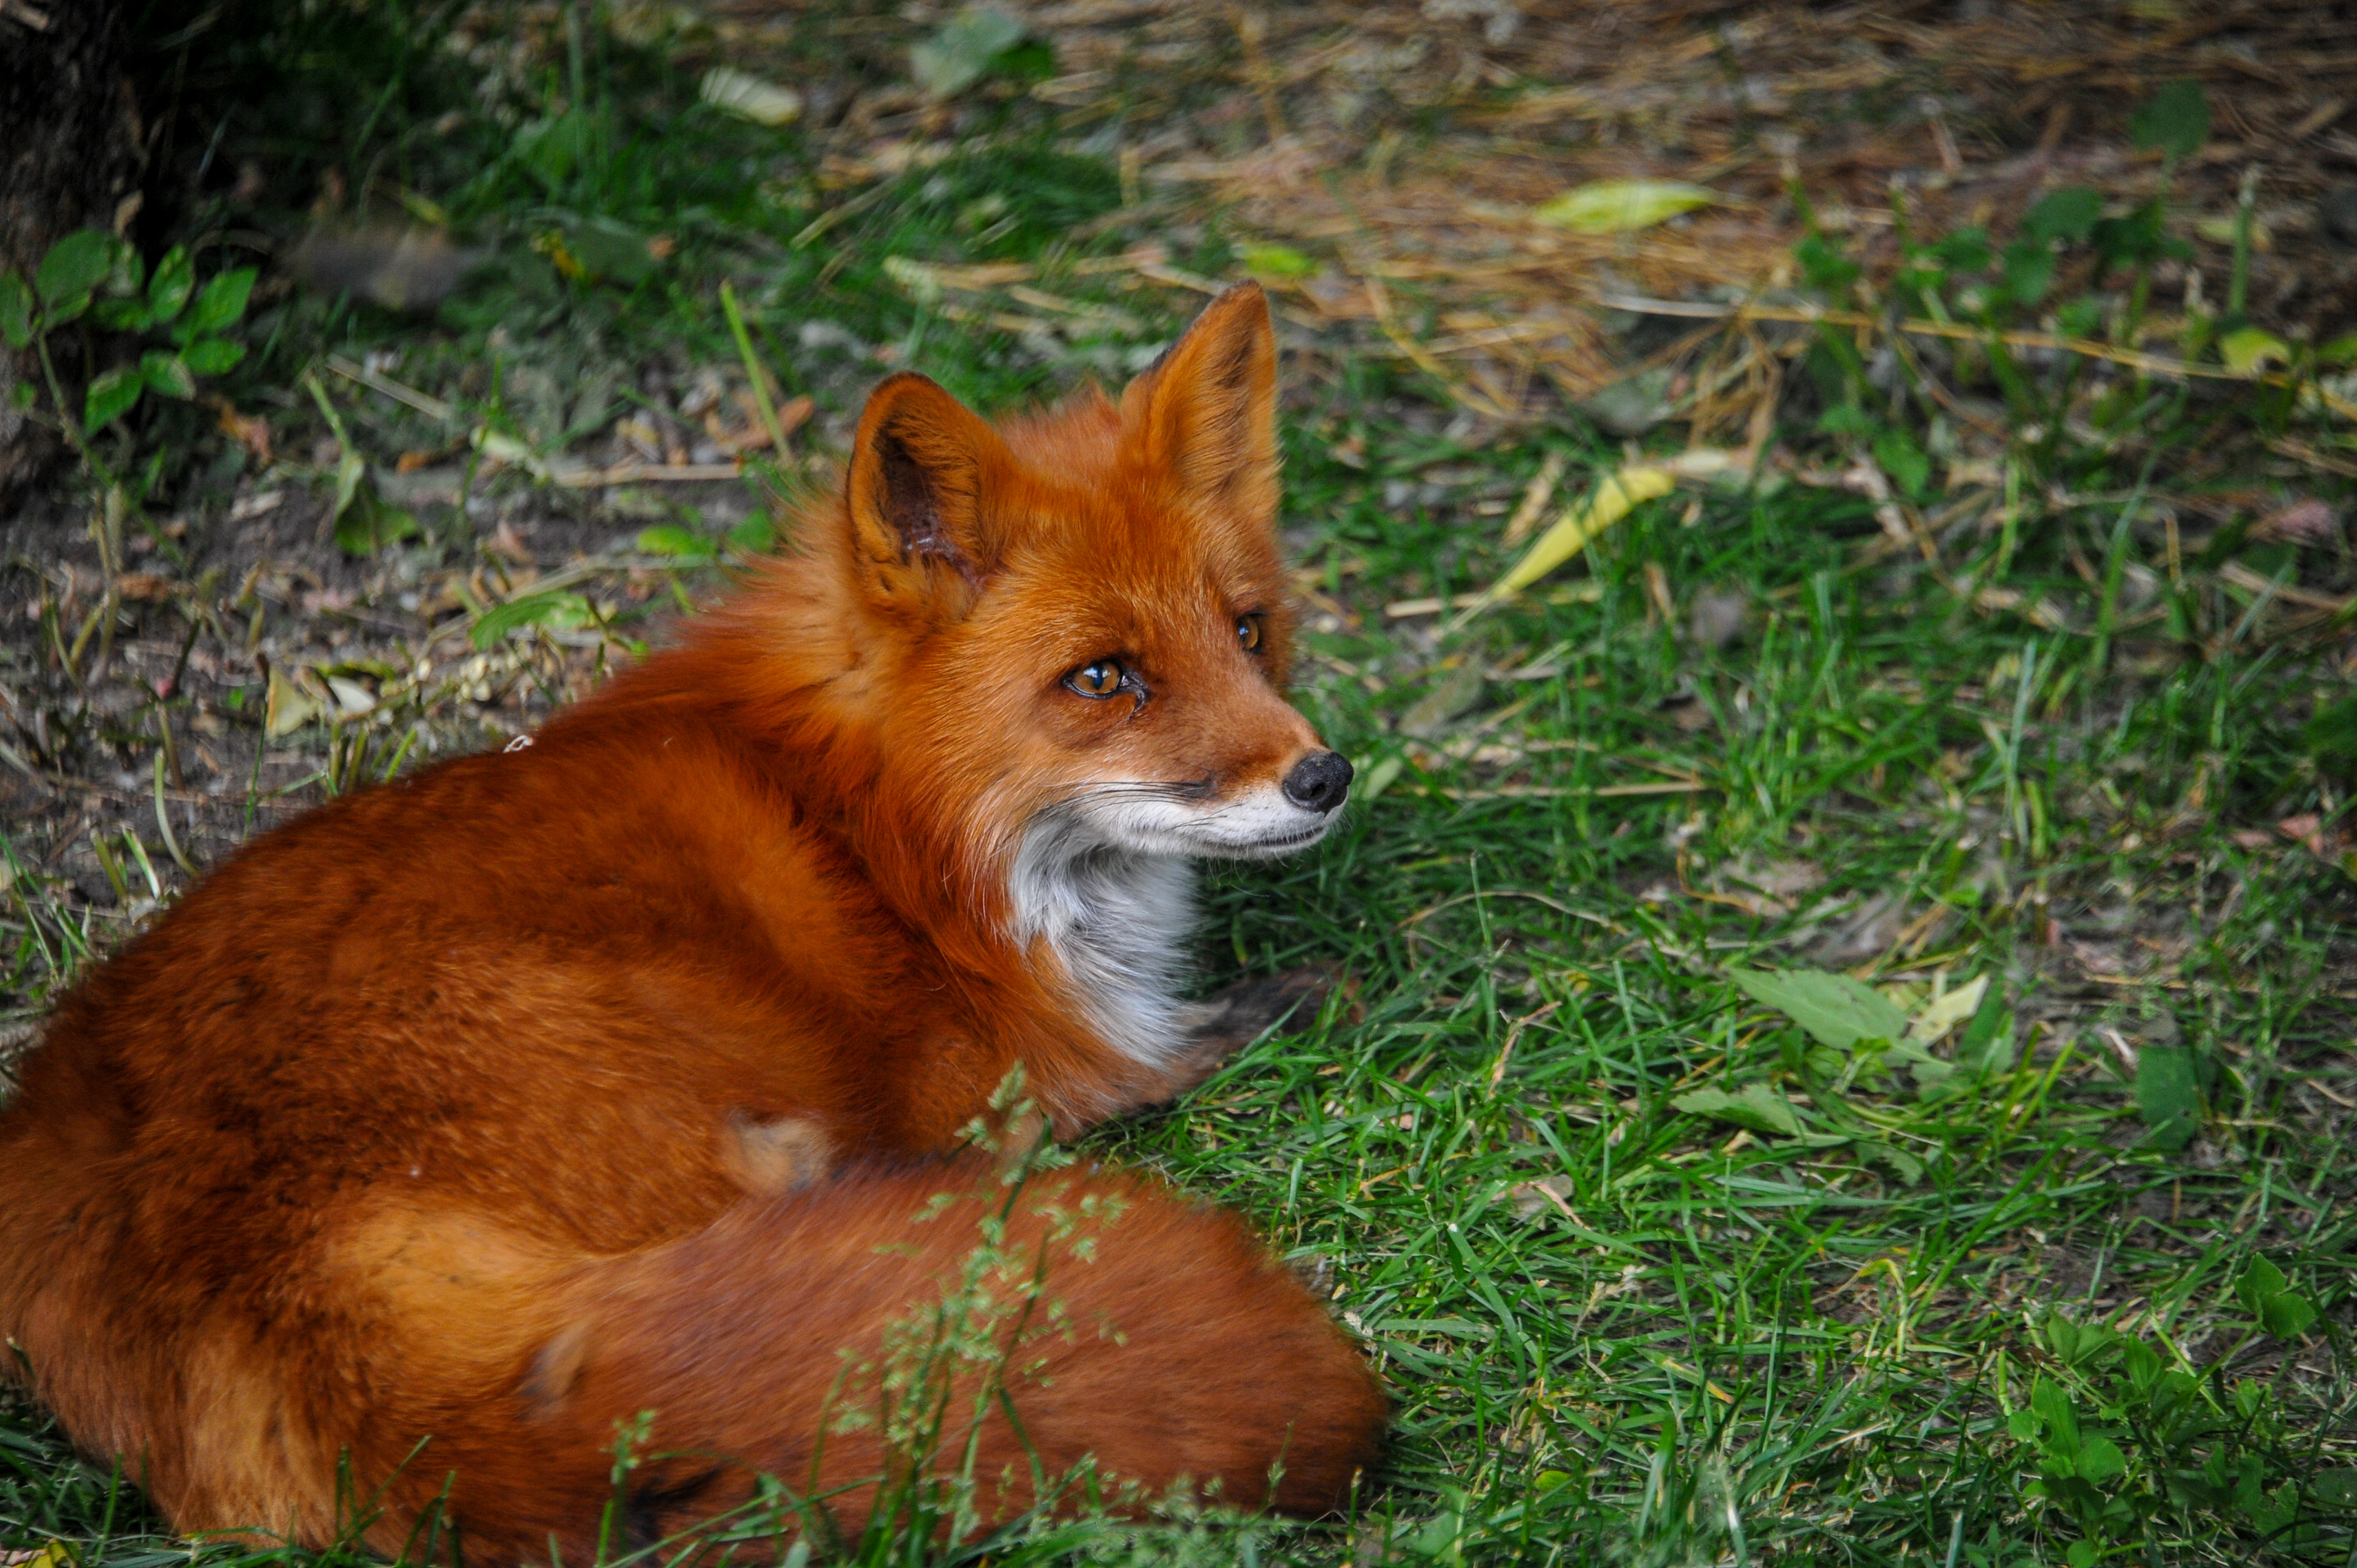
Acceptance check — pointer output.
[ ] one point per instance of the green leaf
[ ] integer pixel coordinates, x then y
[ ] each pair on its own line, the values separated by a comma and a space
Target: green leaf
2054, 1408
2023, 1425
2067, 215
2175, 120
679, 543
110, 397
2028, 270
2260, 1283
561, 610
168, 374
74, 267
212, 356
551, 149
1835, 1009
1904, 461
754, 536
2248, 350
962, 51
2100, 1460
122, 315
168, 288
367, 523
611, 252
1619, 206
1281, 262
1757, 1107
2287, 1316
2168, 1095
2339, 351
16, 312
220, 306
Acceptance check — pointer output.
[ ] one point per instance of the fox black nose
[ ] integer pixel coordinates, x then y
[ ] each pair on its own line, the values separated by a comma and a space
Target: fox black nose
1318, 781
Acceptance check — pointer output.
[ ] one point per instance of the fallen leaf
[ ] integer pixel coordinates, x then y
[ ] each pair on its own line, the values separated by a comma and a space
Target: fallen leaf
1618, 206
1571, 533
749, 96
288, 707
1947, 1010
1757, 1107
967, 45
2309, 522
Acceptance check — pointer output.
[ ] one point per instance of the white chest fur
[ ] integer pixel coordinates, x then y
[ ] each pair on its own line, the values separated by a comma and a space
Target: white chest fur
1118, 920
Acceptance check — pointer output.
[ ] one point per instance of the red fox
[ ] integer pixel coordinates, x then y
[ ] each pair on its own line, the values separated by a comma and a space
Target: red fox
439, 1130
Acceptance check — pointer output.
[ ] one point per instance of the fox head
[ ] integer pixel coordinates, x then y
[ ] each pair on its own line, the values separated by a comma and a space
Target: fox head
1084, 614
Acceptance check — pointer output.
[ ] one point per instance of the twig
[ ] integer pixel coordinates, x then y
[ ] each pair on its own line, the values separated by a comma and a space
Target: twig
430, 406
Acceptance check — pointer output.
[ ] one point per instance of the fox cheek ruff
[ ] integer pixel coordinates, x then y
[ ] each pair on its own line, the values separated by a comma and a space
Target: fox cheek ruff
435, 1134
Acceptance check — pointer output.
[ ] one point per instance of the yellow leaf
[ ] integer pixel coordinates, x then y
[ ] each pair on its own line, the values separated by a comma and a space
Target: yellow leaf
2247, 352
763, 102
1570, 534
1945, 1012
289, 707
1617, 206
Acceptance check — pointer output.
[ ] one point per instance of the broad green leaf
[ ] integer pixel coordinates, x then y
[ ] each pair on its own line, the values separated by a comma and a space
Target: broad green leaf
2022, 1425
1281, 262
611, 252
2249, 349
168, 374
560, 610
2028, 270
174, 280
1904, 461
677, 542
130, 314
2175, 120
551, 149
1836, 1010
15, 311
2260, 1281
749, 96
2100, 1460
212, 356
2168, 1095
1757, 1107
2287, 1316
754, 536
110, 397
2054, 1408
2339, 351
962, 51
1618, 206
74, 267
219, 305
368, 523
2067, 215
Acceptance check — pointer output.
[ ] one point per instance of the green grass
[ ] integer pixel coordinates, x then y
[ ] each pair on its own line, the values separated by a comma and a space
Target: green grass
1694, 1343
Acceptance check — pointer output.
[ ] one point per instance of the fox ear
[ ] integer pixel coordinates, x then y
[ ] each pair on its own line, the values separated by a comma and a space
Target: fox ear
1206, 412
921, 465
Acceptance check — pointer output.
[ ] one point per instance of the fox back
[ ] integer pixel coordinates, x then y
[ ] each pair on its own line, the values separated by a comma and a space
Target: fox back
501, 1069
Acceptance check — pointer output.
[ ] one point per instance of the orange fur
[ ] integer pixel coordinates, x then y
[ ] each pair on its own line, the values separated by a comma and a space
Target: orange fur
497, 1104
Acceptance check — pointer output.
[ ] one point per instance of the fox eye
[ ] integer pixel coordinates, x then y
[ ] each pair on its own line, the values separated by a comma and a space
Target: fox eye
1248, 633
1100, 679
